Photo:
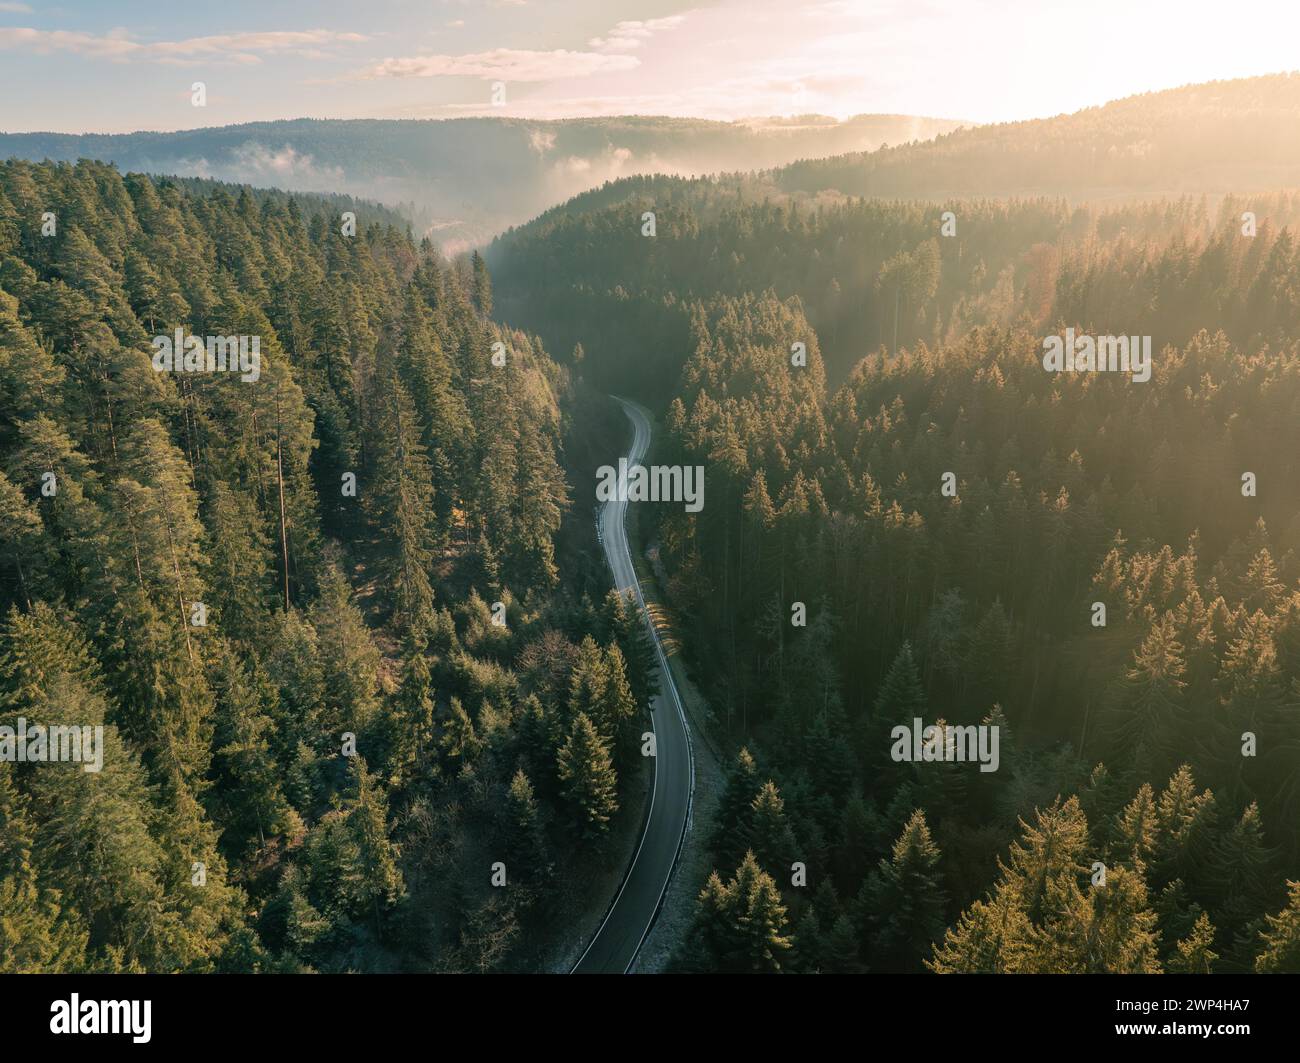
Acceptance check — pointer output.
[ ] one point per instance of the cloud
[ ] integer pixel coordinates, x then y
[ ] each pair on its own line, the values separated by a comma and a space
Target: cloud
725, 99
286, 164
572, 174
504, 64
541, 141
731, 60
118, 45
15, 9
628, 35
510, 64
258, 164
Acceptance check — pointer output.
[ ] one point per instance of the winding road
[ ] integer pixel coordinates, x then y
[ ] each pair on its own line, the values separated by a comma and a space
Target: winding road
614, 948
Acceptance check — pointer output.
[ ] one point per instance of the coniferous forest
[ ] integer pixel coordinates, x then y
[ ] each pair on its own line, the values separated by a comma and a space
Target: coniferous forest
883, 563
1124, 742
183, 582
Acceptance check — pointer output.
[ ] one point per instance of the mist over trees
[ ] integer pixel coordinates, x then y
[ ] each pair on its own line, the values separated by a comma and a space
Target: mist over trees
462, 180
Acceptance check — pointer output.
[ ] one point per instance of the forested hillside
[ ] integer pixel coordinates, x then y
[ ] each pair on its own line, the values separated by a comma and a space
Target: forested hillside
1160, 745
466, 179
316, 608
870, 273
1215, 137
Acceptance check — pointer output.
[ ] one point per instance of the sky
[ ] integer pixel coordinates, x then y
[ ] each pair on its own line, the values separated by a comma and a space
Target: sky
116, 66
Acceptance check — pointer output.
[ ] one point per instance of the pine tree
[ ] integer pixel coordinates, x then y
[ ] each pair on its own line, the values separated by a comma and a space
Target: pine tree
840, 951
712, 935
379, 882
415, 700
622, 618
1108, 930
460, 741
854, 849
403, 508
904, 900
1239, 871
768, 835
587, 777
1186, 821
735, 809
587, 683
36, 935
20, 538
989, 658
1195, 954
240, 566
992, 936
760, 919
1135, 831
348, 658
1281, 938
290, 923
253, 806
617, 709
1007, 931
525, 838
482, 285
900, 700
1148, 706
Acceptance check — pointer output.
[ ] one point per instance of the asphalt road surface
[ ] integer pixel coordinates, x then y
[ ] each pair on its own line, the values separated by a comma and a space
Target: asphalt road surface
616, 944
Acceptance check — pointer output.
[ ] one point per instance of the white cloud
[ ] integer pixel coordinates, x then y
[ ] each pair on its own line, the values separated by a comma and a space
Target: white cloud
504, 64
522, 65
628, 35
734, 59
16, 9
286, 164
541, 141
229, 47
255, 163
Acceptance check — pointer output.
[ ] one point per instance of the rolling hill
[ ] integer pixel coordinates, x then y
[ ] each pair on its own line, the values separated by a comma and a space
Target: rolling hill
462, 180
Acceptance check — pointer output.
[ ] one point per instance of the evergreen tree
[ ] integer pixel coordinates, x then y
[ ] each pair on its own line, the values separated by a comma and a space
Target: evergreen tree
1195, 954
899, 701
1281, 938
403, 507
525, 838
587, 777
904, 900
768, 834
379, 881
736, 808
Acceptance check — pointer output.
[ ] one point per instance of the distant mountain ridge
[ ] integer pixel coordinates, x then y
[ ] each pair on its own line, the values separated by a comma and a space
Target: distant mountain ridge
846, 235
1218, 137
462, 180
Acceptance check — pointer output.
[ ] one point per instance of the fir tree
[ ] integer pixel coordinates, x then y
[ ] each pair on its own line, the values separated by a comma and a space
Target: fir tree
587, 777
904, 900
